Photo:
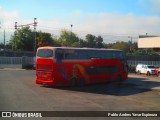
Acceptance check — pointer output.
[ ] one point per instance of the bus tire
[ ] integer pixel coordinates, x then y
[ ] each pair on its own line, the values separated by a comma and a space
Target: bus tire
119, 78
73, 82
81, 82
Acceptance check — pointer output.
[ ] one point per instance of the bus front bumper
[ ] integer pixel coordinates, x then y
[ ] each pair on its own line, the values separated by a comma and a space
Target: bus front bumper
45, 82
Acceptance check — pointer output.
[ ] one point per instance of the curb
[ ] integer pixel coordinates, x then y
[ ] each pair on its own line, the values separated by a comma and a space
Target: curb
11, 69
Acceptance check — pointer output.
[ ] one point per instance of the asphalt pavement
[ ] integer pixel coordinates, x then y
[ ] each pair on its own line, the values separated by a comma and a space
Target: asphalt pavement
18, 92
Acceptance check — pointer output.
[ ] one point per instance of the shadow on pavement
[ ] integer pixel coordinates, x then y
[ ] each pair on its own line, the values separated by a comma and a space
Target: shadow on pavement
128, 87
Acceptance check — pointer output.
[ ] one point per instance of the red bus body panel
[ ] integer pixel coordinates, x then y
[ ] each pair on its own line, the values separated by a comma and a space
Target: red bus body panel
91, 71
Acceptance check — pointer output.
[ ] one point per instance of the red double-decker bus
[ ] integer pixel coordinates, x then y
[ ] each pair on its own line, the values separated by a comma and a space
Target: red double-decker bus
62, 66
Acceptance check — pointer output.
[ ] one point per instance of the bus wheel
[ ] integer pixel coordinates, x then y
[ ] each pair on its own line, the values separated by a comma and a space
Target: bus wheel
73, 82
81, 82
119, 78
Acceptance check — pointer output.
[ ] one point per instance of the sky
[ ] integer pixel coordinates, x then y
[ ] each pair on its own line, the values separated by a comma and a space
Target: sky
114, 20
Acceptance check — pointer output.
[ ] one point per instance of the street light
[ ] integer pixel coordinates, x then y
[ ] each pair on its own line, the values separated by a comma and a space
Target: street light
71, 33
35, 25
4, 39
15, 26
71, 28
130, 42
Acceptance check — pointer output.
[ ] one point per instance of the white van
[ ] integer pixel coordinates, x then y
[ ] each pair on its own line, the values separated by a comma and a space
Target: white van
145, 69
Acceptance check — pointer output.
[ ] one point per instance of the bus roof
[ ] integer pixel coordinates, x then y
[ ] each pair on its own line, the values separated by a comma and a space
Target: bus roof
54, 48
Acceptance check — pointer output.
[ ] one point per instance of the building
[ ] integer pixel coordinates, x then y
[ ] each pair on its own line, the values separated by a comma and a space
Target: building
146, 41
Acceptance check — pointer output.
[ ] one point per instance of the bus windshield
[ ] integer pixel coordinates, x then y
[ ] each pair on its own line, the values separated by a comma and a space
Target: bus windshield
45, 53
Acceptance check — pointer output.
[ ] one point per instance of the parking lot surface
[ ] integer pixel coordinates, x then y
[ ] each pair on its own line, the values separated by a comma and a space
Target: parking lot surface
18, 92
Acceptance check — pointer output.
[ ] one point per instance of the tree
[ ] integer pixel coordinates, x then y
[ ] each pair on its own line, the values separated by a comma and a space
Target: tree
82, 43
121, 46
23, 39
44, 39
144, 52
99, 42
69, 39
1, 46
94, 42
91, 40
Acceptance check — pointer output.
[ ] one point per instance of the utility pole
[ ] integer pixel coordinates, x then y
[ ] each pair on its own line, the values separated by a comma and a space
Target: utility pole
15, 33
4, 40
33, 24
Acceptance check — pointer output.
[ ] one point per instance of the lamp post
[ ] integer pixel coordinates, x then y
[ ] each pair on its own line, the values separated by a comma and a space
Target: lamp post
15, 33
4, 35
130, 43
35, 42
4, 40
70, 37
15, 26
71, 28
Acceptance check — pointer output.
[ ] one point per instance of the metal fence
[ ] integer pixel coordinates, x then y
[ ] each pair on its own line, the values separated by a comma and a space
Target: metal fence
10, 60
30, 60
143, 58
16, 60
133, 60
16, 53
134, 63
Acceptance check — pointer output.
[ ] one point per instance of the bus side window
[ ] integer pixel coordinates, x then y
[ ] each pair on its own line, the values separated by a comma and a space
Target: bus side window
92, 54
59, 56
108, 54
82, 54
70, 54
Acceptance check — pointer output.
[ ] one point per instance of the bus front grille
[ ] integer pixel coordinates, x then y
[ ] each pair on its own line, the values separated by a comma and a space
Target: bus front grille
44, 67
